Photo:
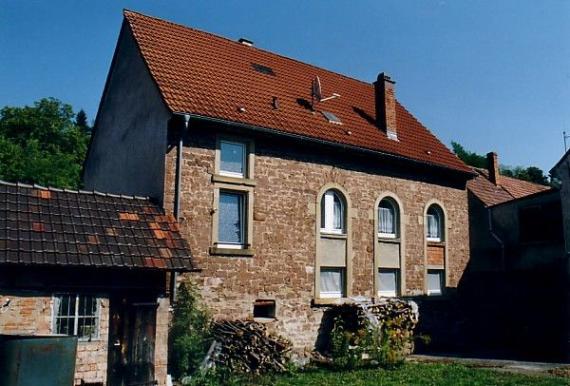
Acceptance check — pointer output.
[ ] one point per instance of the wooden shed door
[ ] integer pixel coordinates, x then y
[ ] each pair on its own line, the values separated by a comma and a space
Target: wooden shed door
132, 331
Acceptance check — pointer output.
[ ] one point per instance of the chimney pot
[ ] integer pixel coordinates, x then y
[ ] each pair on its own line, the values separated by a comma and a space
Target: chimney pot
385, 96
493, 167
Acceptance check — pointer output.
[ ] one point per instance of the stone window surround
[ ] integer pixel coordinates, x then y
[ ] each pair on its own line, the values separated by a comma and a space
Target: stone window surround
347, 236
53, 322
401, 238
444, 243
238, 185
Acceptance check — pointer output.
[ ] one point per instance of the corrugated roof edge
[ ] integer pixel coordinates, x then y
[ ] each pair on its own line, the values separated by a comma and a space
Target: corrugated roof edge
65, 190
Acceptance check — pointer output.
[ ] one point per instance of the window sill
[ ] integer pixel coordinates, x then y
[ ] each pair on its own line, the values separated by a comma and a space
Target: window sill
394, 240
434, 243
233, 180
327, 235
331, 301
240, 252
264, 320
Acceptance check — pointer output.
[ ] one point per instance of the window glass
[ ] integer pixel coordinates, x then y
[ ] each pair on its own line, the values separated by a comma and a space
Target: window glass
232, 158
332, 212
76, 315
435, 282
434, 223
387, 220
388, 282
231, 218
332, 282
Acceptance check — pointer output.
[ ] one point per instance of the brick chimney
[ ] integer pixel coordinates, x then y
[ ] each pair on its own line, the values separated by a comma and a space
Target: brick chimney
493, 167
386, 105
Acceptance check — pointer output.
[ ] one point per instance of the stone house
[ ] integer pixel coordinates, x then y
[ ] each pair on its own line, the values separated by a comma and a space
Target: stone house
94, 266
517, 256
295, 187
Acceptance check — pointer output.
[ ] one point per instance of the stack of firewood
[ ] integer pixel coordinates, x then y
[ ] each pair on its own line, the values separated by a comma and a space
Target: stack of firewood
247, 347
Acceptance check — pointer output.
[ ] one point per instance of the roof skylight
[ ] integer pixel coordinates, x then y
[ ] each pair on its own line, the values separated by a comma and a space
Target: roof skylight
263, 69
331, 118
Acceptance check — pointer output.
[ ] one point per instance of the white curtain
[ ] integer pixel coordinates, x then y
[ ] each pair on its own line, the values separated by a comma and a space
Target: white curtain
433, 226
332, 281
386, 220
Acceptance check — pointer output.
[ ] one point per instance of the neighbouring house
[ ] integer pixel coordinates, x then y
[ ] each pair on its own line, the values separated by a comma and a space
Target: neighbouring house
561, 171
296, 187
516, 266
94, 266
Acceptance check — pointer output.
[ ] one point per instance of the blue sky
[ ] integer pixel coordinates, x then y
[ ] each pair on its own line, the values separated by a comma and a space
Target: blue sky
492, 75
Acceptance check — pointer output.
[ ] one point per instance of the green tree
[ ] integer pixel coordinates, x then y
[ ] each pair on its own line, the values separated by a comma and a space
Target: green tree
469, 157
531, 173
42, 144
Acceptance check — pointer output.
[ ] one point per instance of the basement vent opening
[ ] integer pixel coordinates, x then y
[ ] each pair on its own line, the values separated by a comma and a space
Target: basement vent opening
331, 118
264, 309
263, 69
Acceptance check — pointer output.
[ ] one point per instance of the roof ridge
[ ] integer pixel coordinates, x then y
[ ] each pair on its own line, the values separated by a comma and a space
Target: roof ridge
79, 191
126, 11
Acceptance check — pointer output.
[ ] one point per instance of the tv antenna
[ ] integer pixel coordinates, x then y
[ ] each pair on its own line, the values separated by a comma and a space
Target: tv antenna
316, 92
565, 136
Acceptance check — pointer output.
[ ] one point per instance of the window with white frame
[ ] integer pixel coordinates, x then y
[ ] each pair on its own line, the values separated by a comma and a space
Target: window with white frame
435, 281
388, 282
77, 315
231, 219
332, 282
332, 213
233, 158
434, 220
387, 219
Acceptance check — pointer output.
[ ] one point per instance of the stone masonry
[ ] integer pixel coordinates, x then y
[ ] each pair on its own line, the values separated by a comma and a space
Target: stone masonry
288, 178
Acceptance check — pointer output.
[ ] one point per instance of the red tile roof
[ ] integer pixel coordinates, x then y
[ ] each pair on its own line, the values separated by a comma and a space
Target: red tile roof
508, 188
207, 75
68, 228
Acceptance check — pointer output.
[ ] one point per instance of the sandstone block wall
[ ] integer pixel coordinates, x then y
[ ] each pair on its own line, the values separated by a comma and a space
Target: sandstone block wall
288, 178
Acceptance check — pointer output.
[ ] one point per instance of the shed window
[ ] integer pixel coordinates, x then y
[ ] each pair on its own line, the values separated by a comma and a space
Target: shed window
332, 282
231, 220
332, 213
76, 315
233, 158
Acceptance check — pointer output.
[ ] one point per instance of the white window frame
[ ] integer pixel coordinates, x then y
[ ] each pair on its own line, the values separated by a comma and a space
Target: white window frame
244, 159
438, 216
328, 209
242, 219
441, 274
75, 316
389, 294
334, 294
396, 221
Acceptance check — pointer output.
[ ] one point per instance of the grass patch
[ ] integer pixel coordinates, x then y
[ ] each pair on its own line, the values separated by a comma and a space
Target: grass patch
407, 374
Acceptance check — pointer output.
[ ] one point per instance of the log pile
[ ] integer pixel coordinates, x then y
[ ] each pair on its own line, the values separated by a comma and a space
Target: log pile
247, 347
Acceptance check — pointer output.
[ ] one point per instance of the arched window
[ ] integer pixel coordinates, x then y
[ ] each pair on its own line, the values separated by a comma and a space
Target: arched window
436, 250
333, 212
434, 219
388, 219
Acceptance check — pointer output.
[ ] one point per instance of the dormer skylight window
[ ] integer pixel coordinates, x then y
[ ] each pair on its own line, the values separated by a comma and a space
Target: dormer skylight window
331, 118
263, 69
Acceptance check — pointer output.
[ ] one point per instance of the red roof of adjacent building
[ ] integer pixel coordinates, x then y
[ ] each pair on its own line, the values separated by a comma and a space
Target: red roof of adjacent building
210, 76
49, 226
507, 189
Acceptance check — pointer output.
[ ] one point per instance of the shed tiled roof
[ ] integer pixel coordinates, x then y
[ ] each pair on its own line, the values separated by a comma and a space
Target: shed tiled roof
69, 228
210, 76
507, 189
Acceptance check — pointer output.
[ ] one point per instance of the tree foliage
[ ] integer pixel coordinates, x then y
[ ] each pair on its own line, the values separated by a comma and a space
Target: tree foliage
530, 173
42, 144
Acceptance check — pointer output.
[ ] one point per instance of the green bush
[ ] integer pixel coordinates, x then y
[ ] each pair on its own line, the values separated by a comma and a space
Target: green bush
190, 336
